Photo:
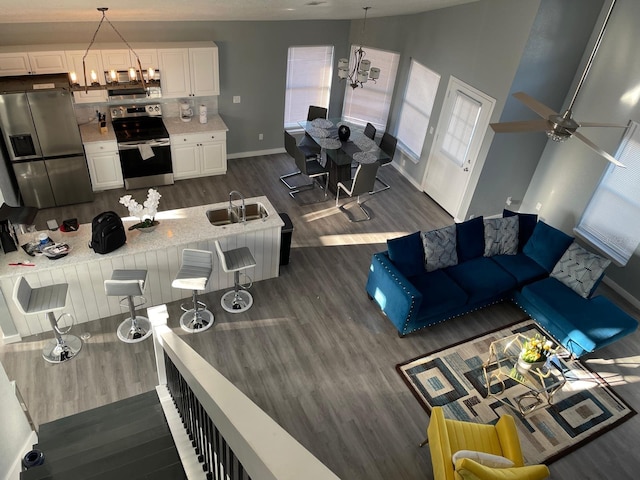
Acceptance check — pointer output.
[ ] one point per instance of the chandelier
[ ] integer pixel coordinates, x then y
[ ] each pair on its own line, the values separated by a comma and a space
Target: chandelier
361, 70
135, 75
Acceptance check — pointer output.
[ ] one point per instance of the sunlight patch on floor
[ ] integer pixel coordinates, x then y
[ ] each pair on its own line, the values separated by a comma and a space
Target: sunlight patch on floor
358, 238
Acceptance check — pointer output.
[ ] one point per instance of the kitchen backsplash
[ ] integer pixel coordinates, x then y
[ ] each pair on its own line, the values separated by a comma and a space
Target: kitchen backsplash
170, 107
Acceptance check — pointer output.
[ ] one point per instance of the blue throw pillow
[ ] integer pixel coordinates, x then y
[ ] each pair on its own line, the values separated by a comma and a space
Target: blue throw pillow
470, 239
527, 222
407, 253
546, 245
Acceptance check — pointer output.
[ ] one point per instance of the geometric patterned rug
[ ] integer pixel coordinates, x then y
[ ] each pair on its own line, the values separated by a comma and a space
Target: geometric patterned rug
453, 378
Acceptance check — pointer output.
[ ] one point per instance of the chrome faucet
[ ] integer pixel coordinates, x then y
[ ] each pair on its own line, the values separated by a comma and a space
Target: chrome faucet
240, 211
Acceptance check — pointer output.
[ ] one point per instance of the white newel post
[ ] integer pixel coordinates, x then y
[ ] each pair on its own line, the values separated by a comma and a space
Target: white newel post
158, 316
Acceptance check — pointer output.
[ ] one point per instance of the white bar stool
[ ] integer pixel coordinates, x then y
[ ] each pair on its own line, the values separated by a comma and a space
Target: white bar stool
129, 284
49, 299
197, 266
239, 299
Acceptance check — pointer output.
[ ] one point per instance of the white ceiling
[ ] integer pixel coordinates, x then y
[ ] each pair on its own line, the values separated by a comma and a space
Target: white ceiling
35, 11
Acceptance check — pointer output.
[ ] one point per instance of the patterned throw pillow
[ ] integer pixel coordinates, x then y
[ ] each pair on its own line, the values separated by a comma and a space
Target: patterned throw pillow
440, 248
580, 269
501, 236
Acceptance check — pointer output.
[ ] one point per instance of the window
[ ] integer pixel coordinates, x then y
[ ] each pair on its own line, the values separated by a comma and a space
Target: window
462, 125
416, 108
309, 71
371, 103
610, 221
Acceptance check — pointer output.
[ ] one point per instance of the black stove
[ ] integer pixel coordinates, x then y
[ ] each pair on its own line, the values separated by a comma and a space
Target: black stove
143, 145
140, 123
140, 129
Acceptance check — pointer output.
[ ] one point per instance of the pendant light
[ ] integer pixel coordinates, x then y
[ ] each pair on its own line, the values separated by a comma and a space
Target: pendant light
361, 70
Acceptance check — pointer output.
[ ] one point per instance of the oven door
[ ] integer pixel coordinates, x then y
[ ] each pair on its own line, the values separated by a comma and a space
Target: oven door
146, 164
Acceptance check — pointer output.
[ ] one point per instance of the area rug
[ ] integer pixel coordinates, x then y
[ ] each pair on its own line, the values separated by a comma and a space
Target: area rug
453, 378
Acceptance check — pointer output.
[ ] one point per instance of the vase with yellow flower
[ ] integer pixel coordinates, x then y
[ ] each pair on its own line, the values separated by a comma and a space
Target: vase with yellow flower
534, 353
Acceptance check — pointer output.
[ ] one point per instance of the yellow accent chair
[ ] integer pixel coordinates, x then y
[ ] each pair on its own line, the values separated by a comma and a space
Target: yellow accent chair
446, 437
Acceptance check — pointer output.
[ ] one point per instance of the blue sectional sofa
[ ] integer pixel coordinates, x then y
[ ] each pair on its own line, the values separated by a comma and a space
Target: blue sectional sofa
429, 277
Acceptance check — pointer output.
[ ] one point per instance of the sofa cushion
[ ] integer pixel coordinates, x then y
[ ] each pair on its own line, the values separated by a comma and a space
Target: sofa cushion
500, 236
546, 245
470, 239
483, 458
481, 278
580, 269
524, 269
407, 254
526, 224
440, 248
590, 323
440, 293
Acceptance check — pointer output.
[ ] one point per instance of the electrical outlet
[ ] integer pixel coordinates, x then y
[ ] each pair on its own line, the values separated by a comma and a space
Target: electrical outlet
260, 136
236, 99
508, 202
538, 206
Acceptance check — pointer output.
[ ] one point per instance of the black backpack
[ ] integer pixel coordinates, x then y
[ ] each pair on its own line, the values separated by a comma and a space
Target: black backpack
107, 233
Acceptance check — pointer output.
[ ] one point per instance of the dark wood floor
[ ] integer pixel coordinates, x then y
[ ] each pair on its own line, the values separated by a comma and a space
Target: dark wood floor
313, 352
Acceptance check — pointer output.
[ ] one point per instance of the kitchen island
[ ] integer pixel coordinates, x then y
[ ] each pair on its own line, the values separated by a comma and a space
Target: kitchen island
159, 252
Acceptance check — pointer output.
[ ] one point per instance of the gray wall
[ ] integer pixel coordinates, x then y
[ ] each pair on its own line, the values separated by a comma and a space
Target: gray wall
546, 71
568, 172
473, 42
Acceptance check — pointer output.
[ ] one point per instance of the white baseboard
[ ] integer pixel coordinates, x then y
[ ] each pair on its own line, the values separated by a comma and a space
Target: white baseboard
404, 173
622, 292
6, 340
255, 153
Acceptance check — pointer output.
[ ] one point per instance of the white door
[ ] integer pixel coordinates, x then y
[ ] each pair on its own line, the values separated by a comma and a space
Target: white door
461, 128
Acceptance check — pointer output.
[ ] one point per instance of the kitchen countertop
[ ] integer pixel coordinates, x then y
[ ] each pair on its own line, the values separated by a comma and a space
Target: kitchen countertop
177, 227
90, 132
175, 126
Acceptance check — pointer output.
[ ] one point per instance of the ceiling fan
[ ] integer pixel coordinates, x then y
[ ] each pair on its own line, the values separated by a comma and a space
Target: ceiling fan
560, 127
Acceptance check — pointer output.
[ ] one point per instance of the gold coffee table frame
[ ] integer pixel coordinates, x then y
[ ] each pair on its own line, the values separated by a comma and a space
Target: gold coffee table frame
502, 365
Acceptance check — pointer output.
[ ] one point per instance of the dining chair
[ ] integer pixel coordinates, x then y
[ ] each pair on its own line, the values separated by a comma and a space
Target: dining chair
361, 183
307, 166
316, 112
291, 146
388, 145
370, 131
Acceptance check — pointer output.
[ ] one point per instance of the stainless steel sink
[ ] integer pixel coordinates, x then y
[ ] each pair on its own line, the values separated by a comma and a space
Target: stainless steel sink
227, 216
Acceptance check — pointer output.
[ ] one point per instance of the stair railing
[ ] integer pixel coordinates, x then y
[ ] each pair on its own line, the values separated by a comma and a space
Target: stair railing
232, 437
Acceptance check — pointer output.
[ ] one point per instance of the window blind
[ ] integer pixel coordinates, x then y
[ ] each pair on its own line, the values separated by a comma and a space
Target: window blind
417, 104
372, 102
610, 220
309, 71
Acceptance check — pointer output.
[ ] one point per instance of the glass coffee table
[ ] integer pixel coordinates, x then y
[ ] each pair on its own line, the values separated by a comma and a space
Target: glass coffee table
541, 382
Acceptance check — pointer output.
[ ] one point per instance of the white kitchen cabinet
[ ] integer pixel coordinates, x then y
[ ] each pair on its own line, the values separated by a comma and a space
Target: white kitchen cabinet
104, 165
48, 62
189, 72
14, 64
124, 59
31, 63
199, 154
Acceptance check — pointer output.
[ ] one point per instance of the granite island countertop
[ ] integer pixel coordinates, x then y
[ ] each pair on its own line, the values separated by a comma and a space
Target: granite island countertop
177, 227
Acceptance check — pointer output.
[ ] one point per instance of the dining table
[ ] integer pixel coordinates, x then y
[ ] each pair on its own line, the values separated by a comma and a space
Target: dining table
340, 155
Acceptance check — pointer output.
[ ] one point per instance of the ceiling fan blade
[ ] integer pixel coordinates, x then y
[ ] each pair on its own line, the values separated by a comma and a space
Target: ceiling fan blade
535, 105
597, 149
592, 124
522, 126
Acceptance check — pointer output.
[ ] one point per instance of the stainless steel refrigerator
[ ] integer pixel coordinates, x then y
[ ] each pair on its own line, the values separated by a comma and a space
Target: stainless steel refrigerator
45, 150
